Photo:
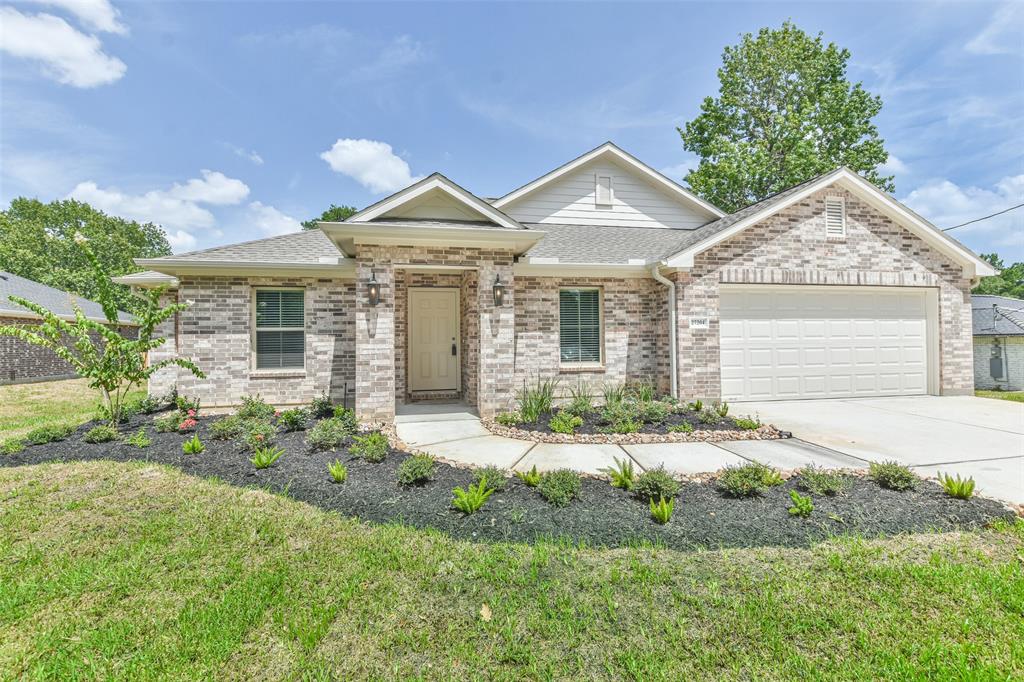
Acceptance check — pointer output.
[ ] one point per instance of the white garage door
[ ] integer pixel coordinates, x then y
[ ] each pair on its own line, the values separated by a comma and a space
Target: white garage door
818, 342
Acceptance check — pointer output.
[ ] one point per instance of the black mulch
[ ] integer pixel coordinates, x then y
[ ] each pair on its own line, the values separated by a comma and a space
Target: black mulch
592, 423
601, 516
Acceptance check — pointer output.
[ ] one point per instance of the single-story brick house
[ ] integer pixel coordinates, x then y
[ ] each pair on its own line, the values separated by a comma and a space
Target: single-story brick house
998, 342
22, 362
602, 270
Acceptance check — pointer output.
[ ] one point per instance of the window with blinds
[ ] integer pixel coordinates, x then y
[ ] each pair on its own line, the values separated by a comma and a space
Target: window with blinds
835, 217
579, 325
280, 328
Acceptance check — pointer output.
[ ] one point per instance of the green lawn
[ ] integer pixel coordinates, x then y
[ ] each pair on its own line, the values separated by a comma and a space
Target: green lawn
1016, 396
24, 407
138, 571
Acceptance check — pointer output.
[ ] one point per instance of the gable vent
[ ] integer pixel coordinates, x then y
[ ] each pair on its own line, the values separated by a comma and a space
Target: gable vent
835, 217
603, 192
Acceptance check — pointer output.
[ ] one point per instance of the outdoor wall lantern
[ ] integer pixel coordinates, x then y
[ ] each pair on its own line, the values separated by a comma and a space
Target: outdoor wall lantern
499, 292
373, 289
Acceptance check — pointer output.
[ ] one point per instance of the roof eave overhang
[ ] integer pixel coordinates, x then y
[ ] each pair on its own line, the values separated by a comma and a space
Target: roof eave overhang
343, 267
346, 236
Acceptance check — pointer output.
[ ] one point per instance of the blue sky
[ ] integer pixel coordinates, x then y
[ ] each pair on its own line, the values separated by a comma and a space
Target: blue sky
233, 121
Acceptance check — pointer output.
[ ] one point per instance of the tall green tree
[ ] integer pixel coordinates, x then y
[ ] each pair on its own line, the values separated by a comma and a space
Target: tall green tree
333, 214
1009, 282
785, 112
37, 241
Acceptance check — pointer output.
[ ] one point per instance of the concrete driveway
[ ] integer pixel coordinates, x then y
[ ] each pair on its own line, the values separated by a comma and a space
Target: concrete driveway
979, 437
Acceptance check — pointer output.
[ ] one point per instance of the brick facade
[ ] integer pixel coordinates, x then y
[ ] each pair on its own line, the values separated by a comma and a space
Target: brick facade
22, 362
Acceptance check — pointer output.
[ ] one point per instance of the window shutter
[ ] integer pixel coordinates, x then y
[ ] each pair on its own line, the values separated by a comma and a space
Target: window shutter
603, 192
835, 217
580, 325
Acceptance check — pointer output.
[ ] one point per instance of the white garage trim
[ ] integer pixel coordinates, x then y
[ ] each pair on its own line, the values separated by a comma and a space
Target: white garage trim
770, 362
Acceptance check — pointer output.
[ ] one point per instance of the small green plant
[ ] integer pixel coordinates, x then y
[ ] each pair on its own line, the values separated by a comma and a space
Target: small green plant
167, 423
709, 416
255, 407
12, 446
624, 425
257, 433
496, 477
346, 417
226, 428
559, 487
565, 422
653, 411
188, 407
892, 475
661, 511
338, 471
329, 434
100, 434
293, 419
747, 424
264, 456
145, 405
656, 484
802, 504
321, 407
581, 401
697, 405
531, 477
416, 469
643, 391
49, 434
193, 446
818, 481
621, 474
536, 401
684, 427
613, 394
748, 480
373, 447
139, 439
470, 500
722, 409
509, 419
960, 488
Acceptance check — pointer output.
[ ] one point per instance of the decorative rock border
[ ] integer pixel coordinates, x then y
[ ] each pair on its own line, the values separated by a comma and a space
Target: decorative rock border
765, 432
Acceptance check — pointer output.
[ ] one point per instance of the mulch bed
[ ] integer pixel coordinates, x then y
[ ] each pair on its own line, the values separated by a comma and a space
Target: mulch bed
601, 516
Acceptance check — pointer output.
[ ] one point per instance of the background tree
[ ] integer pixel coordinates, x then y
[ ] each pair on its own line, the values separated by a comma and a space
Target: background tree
333, 214
785, 112
1009, 282
37, 242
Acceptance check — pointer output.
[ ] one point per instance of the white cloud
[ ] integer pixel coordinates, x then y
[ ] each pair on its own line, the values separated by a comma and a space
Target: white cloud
946, 204
67, 55
213, 188
371, 163
271, 221
396, 56
180, 241
98, 15
893, 166
1002, 35
247, 154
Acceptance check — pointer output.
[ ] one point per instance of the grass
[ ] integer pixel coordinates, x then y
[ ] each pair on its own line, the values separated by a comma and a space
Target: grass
24, 407
1015, 396
136, 571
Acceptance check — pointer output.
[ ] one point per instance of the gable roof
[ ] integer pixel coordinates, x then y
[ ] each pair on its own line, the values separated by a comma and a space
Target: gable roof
55, 300
718, 231
997, 315
610, 150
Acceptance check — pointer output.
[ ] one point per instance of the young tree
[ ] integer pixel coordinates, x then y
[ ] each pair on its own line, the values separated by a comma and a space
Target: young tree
333, 214
99, 352
1009, 282
785, 112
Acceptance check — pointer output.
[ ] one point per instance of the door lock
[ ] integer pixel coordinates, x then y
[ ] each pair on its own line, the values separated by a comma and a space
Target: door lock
454, 349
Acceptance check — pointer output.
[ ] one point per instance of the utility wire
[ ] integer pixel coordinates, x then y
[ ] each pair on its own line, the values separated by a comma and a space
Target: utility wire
976, 220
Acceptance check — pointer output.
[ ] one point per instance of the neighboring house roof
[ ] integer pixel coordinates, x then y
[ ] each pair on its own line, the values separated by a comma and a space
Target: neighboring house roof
997, 315
55, 300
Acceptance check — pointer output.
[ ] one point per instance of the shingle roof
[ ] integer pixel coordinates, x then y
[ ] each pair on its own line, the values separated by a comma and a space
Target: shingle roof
599, 244
307, 246
997, 315
54, 300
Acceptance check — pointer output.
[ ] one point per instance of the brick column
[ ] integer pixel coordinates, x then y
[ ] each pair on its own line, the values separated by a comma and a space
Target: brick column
497, 340
375, 337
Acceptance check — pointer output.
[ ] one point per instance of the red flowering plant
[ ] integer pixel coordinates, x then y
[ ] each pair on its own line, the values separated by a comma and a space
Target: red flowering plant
187, 425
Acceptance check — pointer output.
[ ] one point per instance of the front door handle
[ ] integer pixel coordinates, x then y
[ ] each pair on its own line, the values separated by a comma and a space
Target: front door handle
454, 348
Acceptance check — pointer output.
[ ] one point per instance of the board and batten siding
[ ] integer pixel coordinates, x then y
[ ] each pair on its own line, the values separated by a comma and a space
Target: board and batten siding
571, 200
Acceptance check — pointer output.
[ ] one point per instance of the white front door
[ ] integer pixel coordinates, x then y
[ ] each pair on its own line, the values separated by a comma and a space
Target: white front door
433, 339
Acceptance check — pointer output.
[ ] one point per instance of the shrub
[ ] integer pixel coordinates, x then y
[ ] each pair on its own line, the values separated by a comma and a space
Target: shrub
49, 434
100, 434
264, 456
188, 407
818, 481
193, 446
530, 478
416, 469
709, 416
509, 419
373, 447
321, 407
802, 504
565, 422
227, 428
656, 484
613, 394
338, 471
293, 420
496, 477
747, 423
722, 409
146, 405
187, 425
559, 487
347, 417
748, 480
685, 427
625, 425
621, 474
255, 407
167, 423
652, 412
661, 511
581, 401
329, 434
257, 433
470, 500
12, 446
139, 439
104, 415
960, 488
536, 401
892, 475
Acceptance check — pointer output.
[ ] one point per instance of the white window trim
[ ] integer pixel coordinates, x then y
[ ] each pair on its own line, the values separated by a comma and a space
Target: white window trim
841, 234
254, 328
597, 191
600, 330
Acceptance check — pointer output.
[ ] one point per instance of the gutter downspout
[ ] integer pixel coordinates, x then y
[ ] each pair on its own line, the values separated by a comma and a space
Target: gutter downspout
672, 331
